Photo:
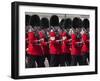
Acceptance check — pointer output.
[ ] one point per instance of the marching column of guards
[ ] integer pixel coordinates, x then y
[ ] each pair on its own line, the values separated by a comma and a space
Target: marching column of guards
53, 43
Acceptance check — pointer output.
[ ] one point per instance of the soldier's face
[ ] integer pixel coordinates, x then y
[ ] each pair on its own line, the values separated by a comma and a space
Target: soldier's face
45, 29
71, 31
56, 27
38, 28
82, 31
77, 30
35, 28
59, 30
52, 38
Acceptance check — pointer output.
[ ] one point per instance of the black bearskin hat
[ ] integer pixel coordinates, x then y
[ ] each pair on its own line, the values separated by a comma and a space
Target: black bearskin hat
54, 20
61, 24
44, 23
35, 20
27, 19
68, 23
86, 23
77, 22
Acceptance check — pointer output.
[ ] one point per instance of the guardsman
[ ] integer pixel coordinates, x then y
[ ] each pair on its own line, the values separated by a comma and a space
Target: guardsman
53, 50
35, 23
44, 33
31, 49
86, 25
44, 45
85, 47
54, 43
75, 50
65, 47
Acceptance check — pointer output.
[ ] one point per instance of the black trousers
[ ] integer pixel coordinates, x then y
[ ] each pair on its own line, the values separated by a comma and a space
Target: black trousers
62, 59
86, 58
68, 59
77, 59
54, 60
30, 61
40, 61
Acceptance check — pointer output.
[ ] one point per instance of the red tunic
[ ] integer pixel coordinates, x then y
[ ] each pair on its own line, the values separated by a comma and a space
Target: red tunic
65, 47
85, 47
53, 47
45, 48
33, 46
43, 43
31, 37
32, 49
39, 48
75, 48
58, 45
